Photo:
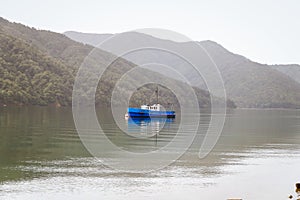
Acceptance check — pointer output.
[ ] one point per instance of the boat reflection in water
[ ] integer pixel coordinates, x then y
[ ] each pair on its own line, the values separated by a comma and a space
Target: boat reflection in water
147, 127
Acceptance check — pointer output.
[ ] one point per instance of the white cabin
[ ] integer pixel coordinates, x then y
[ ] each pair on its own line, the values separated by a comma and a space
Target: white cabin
154, 107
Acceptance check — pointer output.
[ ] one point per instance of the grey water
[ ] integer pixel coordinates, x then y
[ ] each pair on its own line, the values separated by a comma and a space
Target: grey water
42, 157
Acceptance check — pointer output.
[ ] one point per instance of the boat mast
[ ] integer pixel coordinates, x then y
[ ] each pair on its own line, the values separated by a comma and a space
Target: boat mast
156, 94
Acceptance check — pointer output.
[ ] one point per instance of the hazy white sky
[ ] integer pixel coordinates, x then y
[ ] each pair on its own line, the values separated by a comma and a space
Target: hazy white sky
266, 31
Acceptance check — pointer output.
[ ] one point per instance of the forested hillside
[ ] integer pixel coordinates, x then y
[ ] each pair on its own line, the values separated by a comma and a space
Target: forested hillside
28, 76
39, 67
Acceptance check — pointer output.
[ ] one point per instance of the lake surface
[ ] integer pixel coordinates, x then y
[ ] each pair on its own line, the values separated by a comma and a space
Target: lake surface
42, 157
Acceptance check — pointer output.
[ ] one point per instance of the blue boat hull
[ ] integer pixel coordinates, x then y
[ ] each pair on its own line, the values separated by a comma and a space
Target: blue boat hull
144, 113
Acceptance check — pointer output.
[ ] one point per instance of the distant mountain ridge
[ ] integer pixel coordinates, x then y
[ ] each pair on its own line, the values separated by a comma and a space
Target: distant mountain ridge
249, 84
87, 38
292, 71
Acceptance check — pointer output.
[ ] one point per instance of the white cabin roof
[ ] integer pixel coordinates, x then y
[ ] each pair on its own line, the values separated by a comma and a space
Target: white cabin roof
155, 107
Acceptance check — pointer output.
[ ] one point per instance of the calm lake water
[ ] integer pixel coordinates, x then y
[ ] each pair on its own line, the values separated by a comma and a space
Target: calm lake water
42, 157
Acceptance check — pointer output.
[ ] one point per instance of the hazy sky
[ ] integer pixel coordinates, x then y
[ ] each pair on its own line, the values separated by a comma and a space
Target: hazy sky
266, 31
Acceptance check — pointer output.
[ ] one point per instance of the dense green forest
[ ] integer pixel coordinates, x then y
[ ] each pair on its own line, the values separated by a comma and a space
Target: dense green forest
38, 67
29, 76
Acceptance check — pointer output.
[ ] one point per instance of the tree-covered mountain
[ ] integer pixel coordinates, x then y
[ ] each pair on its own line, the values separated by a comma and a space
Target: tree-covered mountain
38, 67
28, 76
247, 83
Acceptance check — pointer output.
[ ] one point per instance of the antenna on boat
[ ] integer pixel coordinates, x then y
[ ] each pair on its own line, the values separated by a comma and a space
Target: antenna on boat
156, 94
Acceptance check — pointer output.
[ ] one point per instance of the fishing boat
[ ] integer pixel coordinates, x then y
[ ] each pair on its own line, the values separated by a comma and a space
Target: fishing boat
150, 111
